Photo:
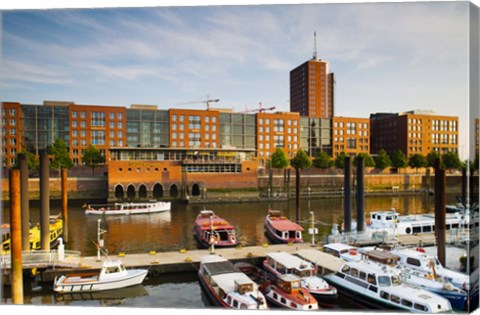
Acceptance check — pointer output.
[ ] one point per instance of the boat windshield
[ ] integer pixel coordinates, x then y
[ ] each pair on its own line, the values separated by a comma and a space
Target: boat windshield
384, 281
295, 285
396, 280
302, 273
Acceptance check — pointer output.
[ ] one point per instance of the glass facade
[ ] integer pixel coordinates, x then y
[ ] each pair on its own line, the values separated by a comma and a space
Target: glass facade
316, 135
147, 128
237, 130
42, 125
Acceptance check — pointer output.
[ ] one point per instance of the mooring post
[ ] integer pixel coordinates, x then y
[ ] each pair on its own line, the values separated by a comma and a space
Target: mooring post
16, 238
24, 202
360, 194
65, 205
440, 211
347, 225
44, 201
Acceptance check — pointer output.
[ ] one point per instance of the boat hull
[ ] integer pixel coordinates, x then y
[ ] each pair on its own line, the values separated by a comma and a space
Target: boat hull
270, 232
134, 277
116, 210
211, 296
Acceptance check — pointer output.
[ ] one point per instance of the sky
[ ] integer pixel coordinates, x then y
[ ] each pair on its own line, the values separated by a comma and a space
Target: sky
387, 57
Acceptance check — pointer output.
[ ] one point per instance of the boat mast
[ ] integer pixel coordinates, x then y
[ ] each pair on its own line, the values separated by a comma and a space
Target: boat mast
100, 242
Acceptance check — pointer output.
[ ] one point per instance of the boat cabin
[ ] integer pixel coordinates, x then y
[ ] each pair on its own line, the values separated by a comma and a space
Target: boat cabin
243, 286
383, 219
283, 263
289, 283
387, 284
337, 249
381, 256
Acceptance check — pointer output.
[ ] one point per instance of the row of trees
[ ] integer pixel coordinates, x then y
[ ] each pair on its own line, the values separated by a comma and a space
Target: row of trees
59, 152
381, 161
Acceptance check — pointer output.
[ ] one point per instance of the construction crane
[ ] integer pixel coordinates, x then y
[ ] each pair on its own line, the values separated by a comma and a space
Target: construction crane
206, 102
260, 109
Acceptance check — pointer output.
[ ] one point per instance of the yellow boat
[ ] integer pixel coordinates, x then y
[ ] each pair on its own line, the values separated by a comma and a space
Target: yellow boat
56, 230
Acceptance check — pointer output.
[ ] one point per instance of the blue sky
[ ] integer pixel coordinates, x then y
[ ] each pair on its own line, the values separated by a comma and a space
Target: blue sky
387, 57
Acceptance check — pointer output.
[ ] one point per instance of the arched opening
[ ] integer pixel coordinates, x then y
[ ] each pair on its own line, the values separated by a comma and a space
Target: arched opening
119, 192
195, 190
173, 191
142, 191
157, 191
131, 192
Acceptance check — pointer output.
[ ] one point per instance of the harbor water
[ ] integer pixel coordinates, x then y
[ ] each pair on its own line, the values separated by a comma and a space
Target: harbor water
172, 231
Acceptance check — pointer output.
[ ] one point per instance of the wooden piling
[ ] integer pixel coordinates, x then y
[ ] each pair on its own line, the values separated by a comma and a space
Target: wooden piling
44, 202
16, 238
440, 211
24, 200
65, 205
347, 196
360, 194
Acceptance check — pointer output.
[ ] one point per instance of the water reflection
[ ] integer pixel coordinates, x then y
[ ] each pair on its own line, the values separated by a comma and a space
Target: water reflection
172, 231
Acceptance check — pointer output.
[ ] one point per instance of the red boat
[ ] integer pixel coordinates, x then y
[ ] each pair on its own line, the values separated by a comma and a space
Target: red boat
285, 291
211, 229
280, 229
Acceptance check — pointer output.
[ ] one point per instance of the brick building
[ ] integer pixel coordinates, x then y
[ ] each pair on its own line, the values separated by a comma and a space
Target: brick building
350, 135
312, 88
413, 132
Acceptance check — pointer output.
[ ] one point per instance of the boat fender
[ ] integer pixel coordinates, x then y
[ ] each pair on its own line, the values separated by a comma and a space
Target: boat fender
352, 252
155, 272
368, 221
419, 249
231, 238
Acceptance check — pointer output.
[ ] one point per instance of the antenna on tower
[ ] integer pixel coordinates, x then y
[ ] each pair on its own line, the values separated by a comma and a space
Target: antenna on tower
314, 46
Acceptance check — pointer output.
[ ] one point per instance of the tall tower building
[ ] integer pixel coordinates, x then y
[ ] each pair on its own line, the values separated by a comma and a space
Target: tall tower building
312, 88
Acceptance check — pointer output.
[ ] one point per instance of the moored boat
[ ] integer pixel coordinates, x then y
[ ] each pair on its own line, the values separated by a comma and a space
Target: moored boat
392, 223
378, 286
279, 229
55, 232
226, 286
211, 229
113, 275
284, 291
128, 208
282, 263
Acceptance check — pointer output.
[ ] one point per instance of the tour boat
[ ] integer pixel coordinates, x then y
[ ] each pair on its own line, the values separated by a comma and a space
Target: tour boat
418, 259
127, 208
285, 291
56, 231
392, 223
426, 278
211, 229
282, 263
379, 286
226, 286
113, 275
280, 229
341, 250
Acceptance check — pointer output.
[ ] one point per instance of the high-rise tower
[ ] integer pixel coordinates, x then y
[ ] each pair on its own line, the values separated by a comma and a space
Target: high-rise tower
312, 88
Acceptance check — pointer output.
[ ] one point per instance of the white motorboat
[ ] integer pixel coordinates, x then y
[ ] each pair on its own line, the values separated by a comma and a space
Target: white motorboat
113, 275
418, 259
128, 208
281, 263
379, 286
226, 286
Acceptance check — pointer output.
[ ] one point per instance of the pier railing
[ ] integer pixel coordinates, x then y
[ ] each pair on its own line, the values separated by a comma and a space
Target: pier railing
44, 258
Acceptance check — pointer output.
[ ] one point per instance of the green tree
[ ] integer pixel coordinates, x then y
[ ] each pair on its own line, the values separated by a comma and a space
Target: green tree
431, 157
32, 161
300, 161
279, 160
416, 161
367, 159
382, 160
451, 161
93, 157
61, 156
323, 160
340, 160
399, 160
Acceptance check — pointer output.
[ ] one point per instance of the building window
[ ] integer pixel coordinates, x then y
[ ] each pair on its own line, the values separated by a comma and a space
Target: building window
120, 116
